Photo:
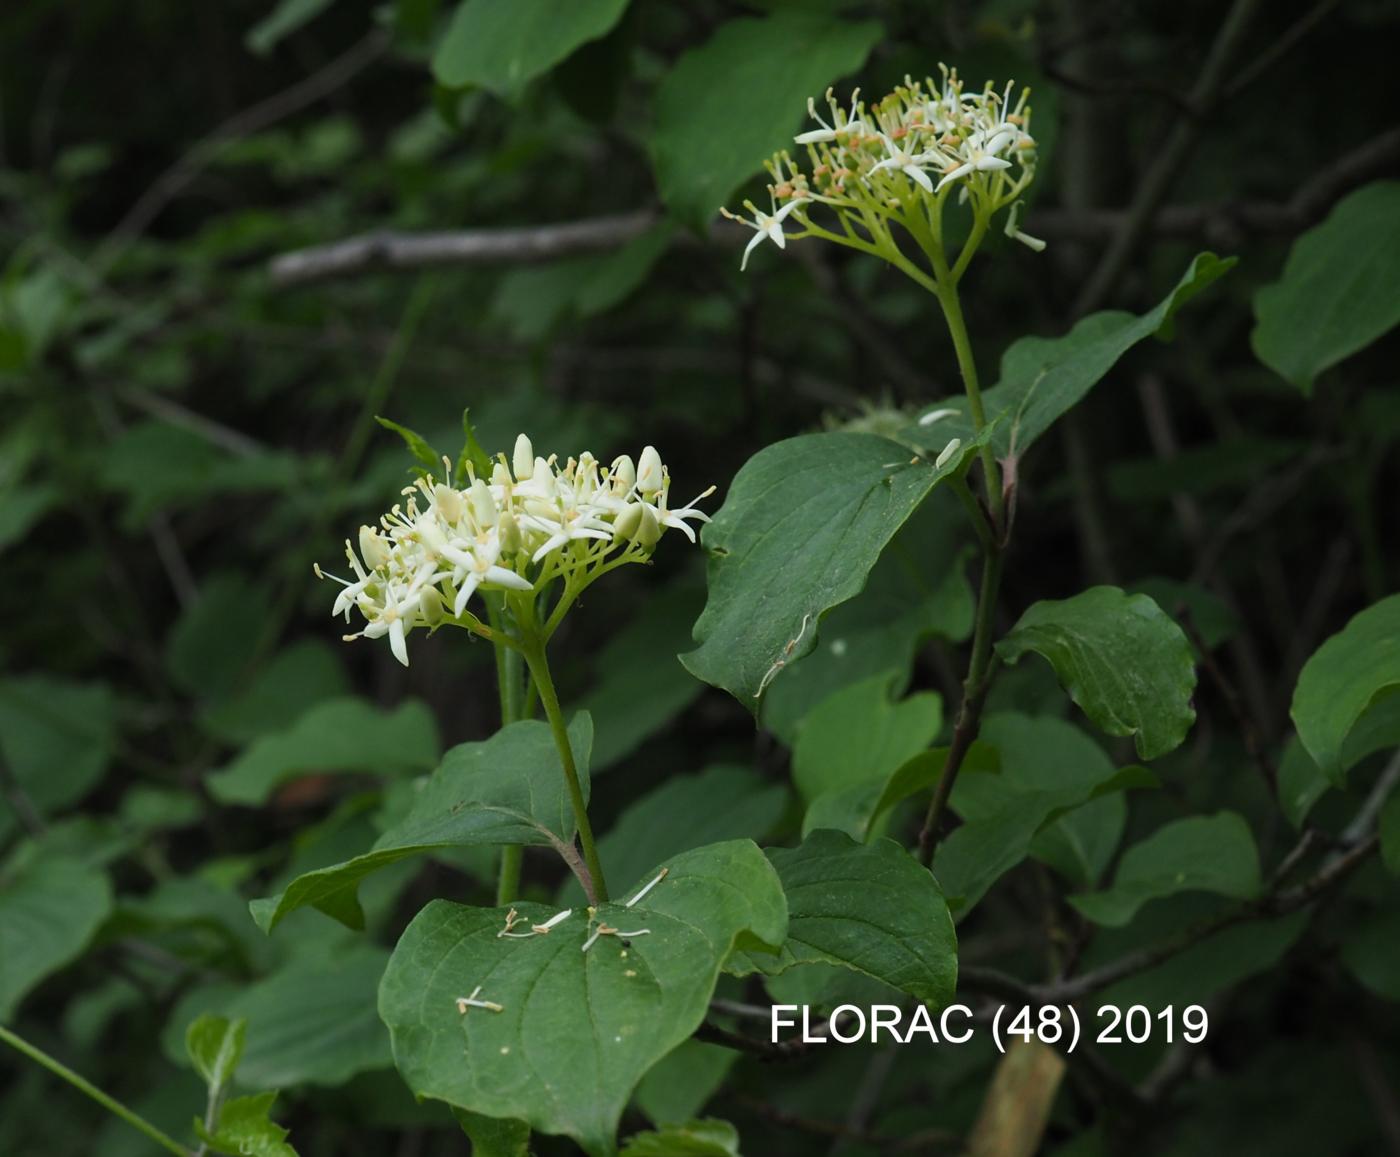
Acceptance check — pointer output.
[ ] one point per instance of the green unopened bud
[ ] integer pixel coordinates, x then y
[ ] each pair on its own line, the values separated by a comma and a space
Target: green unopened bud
650, 473
449, 502
638, 523
510, 537
524, 459
483, 505
373, 548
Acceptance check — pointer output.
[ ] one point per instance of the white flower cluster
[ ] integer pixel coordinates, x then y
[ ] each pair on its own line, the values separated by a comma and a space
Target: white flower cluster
921, 137
530, 523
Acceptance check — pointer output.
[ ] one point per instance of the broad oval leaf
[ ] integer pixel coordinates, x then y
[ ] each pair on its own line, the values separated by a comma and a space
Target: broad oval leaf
1122, 659
336, 735
804, 522
1340, 289
508, 789
1201, 854
727, 105
1042, 378
49, 910
502, 47
870, 908
576, 1029
1345, 676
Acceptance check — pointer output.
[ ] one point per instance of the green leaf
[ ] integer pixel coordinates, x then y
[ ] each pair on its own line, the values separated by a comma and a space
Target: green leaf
1043, 378
211, 643
338, 735
49, 910
577, 1029
707, 1138
1122, 660
1301, 782
1201, 854
870, 908
1389, 825
502, 47
22, 507
472, 454
859, 735
312, 1021
214, 1045
638, 685
918, 589
509, 789
492, 1136
294, 681
57, 737
726, 106
677, 1086
1346, 675
723, 802
1042, 770
245, 1130
281, 22
1340, 289
801, 527
1370, 951
418, 446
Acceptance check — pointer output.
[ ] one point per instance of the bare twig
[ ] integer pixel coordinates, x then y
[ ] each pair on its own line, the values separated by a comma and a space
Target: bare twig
225, 437
386, 249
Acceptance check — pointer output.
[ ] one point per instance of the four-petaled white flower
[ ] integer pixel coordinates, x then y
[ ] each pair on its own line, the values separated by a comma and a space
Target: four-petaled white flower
910, 164
766, 226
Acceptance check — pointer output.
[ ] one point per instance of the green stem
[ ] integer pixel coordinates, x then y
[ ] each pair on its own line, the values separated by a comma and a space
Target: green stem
109, 1103
510, 689
539, 671
947, 295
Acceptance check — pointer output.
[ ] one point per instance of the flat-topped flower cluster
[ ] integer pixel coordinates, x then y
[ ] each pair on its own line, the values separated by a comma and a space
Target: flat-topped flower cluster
883, 159
531, 522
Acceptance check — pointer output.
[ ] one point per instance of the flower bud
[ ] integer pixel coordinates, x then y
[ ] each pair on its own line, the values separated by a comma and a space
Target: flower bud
638, 523
510, 537
543, 478
623, 474
524, 459
430, 606
449, 502
650, 473
373, 548
483, 505
500, 474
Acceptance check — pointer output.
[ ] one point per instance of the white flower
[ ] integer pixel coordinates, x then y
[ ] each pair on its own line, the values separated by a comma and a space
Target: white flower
979, 161
512, 533
765, 225
910, 164
841, 122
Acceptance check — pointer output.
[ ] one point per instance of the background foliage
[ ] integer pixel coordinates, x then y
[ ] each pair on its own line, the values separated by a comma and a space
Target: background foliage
189, 385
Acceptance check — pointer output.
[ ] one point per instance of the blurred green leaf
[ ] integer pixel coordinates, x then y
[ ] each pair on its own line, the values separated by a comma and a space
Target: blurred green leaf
1390, 832
682, 812
728, 104
336, 736
294, 681
576, 1030
707, 1138
1371, 951
1346, 675
21, 508
211, 643
1200, 854
1123, 661
49, 909
509, 789
57, 737
494, 1137
802, 525
284, 19
502, 47
676, 1088
1339, 292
